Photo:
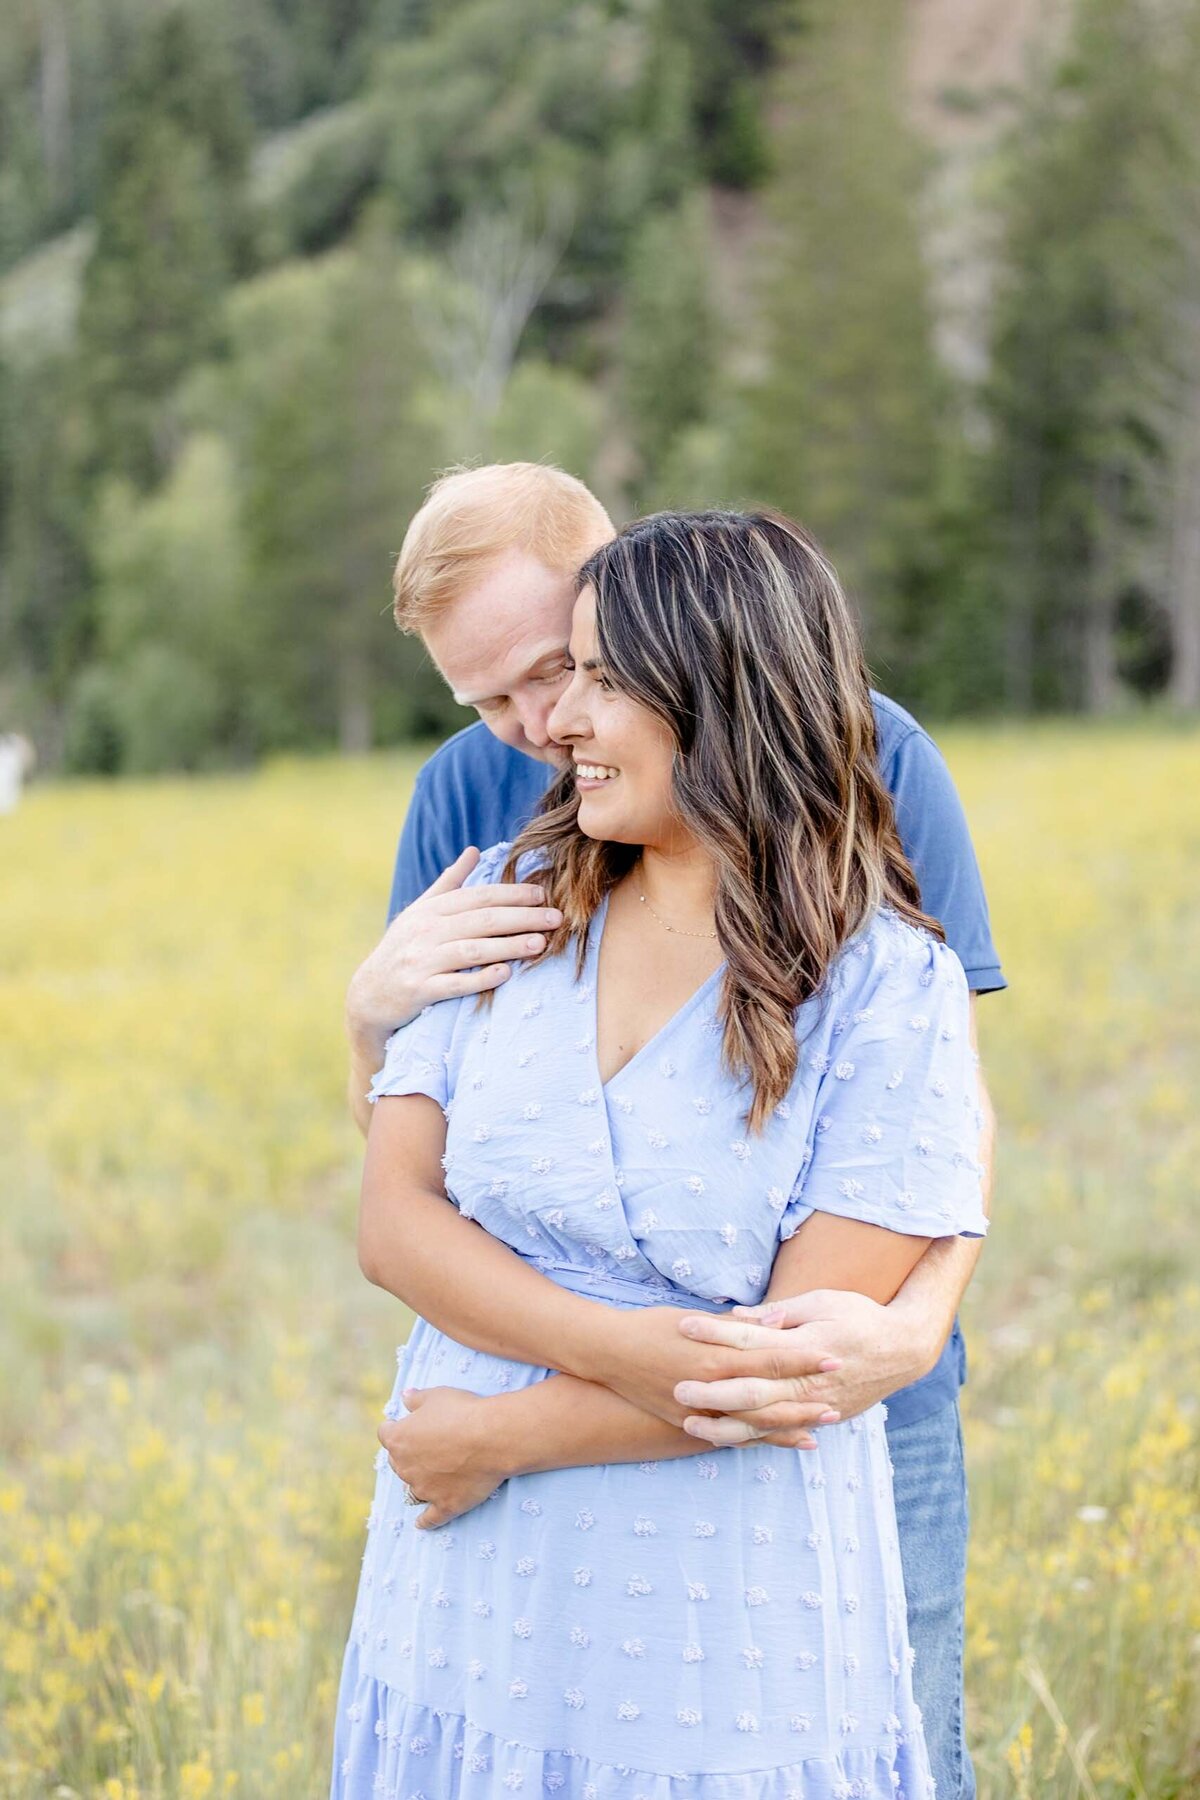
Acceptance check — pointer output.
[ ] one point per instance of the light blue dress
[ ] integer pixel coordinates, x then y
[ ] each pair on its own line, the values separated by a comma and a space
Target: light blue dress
729, 1626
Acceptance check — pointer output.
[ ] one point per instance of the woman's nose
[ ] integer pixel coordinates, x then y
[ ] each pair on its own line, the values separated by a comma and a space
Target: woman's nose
563, 720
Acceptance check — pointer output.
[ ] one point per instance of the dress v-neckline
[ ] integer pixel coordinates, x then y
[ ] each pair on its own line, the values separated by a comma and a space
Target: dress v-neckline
595, 938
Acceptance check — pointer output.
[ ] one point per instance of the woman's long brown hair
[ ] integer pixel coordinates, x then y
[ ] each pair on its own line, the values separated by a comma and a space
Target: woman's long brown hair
733, 629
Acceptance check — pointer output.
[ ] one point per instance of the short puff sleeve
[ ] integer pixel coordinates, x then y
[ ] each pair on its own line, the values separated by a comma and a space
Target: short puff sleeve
420, 1057
896, 1118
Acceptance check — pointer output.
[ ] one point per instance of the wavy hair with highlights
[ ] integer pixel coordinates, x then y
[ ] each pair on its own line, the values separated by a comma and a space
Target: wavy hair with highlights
732, 628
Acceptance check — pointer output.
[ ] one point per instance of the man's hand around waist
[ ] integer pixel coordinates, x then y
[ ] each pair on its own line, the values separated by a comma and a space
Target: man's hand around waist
642, 1356
827, 1349
451, 941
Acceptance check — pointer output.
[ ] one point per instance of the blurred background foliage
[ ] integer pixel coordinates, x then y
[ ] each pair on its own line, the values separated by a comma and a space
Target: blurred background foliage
927, 276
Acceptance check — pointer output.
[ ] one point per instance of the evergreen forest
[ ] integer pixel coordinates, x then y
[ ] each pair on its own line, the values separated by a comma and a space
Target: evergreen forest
267, 266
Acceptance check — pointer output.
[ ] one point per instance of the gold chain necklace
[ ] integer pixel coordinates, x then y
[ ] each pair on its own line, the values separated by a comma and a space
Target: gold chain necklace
675, 930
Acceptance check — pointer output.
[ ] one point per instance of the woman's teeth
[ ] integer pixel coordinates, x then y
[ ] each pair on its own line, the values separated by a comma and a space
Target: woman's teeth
595, 772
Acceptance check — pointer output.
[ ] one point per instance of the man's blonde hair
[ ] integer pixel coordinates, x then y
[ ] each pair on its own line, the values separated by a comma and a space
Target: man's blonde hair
472, 516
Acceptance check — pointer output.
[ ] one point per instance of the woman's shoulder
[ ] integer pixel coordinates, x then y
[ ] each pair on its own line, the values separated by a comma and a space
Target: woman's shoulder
490, 866
892, 953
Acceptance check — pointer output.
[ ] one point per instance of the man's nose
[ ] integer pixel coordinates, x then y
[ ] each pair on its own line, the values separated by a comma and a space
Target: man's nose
535, 723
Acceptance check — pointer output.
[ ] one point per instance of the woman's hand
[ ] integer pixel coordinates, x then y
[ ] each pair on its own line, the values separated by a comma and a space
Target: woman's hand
645, 1355
442, 1450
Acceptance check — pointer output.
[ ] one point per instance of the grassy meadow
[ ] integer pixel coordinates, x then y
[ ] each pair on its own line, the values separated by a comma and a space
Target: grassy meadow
191, 1367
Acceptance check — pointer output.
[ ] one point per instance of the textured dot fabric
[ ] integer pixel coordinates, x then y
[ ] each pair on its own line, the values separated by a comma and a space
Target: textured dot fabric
728, 1626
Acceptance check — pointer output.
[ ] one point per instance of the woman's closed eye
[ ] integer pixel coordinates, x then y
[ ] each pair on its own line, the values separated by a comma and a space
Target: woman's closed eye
598, 676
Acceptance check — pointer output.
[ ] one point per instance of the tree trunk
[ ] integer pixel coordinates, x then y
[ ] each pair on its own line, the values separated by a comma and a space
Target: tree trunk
54, 95
1184, 562
353, 701
1100, 687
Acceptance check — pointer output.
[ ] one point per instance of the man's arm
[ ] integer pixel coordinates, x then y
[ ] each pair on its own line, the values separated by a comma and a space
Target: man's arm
874, 1350
453, 1449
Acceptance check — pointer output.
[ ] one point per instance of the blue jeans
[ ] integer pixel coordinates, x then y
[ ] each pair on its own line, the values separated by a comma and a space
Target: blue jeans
931, 1518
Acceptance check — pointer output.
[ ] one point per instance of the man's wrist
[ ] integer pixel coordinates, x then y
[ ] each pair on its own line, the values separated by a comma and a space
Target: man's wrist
918, 1339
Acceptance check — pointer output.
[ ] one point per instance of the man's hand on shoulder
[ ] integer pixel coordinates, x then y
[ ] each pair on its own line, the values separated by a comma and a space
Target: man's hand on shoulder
452, 940
839, 1348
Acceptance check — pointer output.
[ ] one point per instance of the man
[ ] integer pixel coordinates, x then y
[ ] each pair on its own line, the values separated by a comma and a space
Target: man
486, 577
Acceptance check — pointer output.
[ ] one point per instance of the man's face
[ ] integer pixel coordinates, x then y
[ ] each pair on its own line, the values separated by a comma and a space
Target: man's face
501, 647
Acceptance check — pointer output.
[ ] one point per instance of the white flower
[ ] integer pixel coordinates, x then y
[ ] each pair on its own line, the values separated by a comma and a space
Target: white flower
844, 1071
522, 1628
518, 1689
644, 1528
703, 1529
634, 1647
693, 1653
628, 1709
583, 1578
637, 1585
687, 1715
746, 1721
574, 1698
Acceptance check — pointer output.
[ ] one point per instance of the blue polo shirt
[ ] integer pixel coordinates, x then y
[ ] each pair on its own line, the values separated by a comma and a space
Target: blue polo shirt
475, 790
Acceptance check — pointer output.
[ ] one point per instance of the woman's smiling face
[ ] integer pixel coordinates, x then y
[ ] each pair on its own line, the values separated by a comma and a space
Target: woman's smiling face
622, 753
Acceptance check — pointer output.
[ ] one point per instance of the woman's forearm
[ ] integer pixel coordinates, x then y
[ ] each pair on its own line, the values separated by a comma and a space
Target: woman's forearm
474, 1288
565, 1423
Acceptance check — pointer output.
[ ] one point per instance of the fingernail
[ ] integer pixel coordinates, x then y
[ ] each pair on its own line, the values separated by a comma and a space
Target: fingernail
772, 1316
689, 1327
828, 1365
829, 1418
407, 1395
687, 1395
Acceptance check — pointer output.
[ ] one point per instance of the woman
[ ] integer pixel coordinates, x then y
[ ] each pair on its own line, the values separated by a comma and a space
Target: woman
741, 1068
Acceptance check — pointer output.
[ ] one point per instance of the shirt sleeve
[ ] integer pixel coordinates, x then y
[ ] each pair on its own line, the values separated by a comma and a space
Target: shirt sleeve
417, 1060
426, 846
937, 841
897, 1121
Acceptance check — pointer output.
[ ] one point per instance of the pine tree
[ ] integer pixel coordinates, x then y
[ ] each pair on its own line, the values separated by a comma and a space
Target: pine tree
170, 233
1080, 357
667, 338
337, 434
840, 427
